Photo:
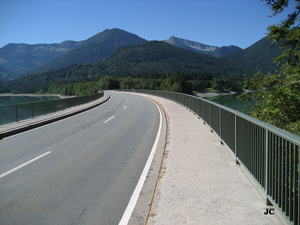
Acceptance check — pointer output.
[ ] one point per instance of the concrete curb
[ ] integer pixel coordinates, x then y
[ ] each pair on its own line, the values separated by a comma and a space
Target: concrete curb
162, 169
58, 116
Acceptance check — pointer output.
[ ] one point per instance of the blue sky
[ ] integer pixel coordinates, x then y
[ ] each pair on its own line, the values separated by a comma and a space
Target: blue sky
212, 22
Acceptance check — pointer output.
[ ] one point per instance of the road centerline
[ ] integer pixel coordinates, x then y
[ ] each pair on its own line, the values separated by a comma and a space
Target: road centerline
109, 119
24, 164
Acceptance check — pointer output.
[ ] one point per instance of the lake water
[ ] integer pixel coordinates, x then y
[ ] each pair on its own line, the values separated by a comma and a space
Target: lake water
12, 100
232, 101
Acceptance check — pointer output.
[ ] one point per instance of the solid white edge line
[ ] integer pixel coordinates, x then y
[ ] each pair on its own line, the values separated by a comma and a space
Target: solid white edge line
109, 119
135, 195
24, 164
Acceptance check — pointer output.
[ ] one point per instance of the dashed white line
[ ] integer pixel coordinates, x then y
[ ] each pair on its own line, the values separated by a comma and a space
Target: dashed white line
125, 107
24, 164
109, 119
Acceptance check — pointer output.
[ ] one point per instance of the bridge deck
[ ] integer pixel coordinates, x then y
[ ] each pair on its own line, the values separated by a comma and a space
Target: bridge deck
200, 184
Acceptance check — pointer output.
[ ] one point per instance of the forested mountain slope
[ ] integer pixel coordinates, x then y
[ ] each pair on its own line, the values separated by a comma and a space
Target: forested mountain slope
258, 56
93, 49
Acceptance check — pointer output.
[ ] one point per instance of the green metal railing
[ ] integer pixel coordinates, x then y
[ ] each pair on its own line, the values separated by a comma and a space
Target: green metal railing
269, 154
15, 113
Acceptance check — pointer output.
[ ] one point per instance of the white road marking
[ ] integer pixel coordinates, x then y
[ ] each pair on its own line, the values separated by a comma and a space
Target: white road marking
135, 195
127, 102
109, 119
125, 107
24, 164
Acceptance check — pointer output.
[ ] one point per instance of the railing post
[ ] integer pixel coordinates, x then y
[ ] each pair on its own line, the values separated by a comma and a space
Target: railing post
17, 117
32, 114
266, 165
220, 121
44, 106
203, 111
54, 106
210, 115
235, 139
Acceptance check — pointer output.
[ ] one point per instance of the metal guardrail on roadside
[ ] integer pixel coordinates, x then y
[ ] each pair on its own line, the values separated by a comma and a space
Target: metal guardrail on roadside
16, 113
268, 153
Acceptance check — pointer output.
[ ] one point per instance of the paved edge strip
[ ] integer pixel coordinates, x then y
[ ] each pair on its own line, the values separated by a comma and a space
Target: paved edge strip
136, 193
51, 120
162, 169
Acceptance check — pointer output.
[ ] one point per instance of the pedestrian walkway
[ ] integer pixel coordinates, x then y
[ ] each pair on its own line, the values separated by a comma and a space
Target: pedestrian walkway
200, 181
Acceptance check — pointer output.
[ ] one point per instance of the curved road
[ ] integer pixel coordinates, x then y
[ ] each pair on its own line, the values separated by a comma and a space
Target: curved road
81, 170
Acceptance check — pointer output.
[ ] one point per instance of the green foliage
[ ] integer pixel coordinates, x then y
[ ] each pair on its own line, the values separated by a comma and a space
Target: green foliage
177, 82
280, 92
227, 84
280, 99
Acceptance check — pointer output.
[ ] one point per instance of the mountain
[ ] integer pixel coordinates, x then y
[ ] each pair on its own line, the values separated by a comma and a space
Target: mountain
202, 48
158, 56
16, 59
22, 59
148, 57
118, 53
93, 49
258, 56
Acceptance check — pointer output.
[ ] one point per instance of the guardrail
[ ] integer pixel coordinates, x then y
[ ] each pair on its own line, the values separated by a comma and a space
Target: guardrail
15, 113
269, 154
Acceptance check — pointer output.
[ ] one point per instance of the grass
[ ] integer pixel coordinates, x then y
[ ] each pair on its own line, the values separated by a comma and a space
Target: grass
207, 90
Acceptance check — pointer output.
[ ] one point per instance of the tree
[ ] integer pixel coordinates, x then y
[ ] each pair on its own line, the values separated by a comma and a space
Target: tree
279, 93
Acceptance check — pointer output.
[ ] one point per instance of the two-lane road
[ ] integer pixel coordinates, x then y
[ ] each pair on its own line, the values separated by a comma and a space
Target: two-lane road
81, 170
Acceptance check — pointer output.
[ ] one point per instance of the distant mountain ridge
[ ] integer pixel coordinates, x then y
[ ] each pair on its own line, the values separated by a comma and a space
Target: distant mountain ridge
40, 58
16, 59
93, 49
24, 59
202, 48
149, 57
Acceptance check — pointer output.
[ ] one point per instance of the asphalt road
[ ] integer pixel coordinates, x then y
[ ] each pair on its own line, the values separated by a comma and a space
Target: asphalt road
81, 170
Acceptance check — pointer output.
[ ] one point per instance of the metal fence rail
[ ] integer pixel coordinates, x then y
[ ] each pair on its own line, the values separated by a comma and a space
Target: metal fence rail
15, 113
269, 154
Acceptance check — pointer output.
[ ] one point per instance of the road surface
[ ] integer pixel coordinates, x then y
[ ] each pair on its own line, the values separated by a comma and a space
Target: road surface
81, 170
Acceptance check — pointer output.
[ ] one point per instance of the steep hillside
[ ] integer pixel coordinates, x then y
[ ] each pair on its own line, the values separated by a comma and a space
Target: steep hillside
258, 56
16, 59
148, 57
93, 49
202, 48
155, 56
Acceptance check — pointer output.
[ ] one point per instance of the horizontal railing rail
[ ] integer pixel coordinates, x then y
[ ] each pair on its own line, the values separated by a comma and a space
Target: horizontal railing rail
269, 154
16, 113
